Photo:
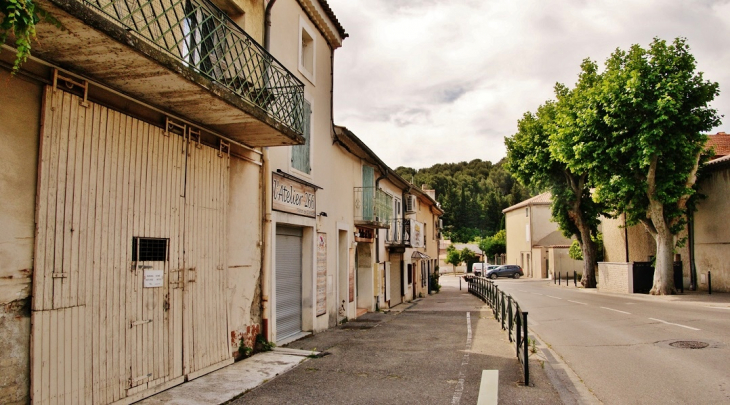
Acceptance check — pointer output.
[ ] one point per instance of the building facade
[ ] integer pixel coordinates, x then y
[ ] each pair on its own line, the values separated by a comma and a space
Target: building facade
534, 242
130, 200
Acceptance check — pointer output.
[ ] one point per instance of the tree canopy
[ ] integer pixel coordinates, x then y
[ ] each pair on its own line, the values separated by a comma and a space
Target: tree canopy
534, 157
494, 245
655, 108
634, 132
473, 194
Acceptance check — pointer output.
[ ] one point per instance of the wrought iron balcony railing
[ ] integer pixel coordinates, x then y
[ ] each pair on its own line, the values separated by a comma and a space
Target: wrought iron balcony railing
373, 206
206, 40
395, 235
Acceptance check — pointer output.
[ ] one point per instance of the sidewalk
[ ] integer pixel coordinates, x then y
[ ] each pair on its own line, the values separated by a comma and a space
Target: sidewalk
716, 299
417, 353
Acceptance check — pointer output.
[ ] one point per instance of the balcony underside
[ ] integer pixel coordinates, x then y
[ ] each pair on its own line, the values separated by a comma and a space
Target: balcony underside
372, 224
108, 53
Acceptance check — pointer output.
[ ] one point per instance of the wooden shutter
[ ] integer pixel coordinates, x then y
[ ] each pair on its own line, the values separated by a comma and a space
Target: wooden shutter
300, 154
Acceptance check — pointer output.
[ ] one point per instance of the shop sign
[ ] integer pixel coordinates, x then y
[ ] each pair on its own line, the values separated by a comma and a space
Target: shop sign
293, 197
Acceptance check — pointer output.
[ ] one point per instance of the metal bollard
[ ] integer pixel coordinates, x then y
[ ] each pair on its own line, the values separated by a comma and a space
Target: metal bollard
709, 282
459, 283
554, 280
575, 279
559, 278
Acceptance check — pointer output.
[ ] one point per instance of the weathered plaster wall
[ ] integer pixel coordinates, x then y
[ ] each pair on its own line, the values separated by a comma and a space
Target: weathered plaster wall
244, 254
712, 234
20, 104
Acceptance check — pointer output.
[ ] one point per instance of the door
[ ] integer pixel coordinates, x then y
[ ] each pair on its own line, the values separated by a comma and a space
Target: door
130, 222
203, 272
288, 282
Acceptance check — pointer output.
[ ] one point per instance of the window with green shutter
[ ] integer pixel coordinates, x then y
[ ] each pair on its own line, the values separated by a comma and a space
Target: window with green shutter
300, 159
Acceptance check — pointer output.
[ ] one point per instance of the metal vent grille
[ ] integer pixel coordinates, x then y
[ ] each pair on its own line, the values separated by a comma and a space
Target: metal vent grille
149, 249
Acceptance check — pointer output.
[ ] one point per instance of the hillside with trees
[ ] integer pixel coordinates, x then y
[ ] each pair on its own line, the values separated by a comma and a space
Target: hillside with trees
473, 194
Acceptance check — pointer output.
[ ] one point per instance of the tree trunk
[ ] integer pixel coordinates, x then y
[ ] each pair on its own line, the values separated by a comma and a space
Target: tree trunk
588, 247
664, 266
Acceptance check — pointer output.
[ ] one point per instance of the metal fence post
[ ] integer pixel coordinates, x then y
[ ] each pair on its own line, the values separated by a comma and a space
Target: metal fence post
526, 365
503, 311
518, 331
509, 318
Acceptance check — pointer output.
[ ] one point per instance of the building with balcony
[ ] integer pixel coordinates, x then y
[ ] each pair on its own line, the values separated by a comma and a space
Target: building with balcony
402, 248
131, 201
309, 232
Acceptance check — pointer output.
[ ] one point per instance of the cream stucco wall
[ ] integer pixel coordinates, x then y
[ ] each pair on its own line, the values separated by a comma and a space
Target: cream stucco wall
248, 14
525, 227
244, 252
20, 104
332, 168
712, 234
516, 224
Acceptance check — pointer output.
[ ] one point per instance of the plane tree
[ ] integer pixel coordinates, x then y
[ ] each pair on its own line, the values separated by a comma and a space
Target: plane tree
654, 108
534, 160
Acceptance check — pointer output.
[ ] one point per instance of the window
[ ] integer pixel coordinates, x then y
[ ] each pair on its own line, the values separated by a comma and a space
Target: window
149, 249
527, 211
307, 50
300, 158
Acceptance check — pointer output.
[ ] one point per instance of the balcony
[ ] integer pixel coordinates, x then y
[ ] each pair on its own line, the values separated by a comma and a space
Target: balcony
395, 235
373, 207
404, 233
182, 56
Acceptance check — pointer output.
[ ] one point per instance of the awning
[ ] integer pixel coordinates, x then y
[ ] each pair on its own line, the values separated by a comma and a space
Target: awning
418, 255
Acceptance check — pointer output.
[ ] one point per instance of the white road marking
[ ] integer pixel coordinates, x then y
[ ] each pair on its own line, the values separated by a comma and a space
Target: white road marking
538, 294
675, 324
576, 302
616, 310
557, 298
720, 307
464, 362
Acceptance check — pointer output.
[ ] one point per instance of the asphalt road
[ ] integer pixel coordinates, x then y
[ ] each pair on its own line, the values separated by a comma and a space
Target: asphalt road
431, 351
620, 346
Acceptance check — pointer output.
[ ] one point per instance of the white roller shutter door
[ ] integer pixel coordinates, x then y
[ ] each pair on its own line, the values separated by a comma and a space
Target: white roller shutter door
288, 282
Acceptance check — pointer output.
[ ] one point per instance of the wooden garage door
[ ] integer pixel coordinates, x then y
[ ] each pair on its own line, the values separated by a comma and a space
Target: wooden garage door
130, 224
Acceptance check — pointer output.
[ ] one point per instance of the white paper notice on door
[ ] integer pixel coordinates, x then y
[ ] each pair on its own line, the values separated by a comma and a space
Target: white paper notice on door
153, 278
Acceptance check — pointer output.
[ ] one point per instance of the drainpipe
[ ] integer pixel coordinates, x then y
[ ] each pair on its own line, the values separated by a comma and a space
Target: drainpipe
626, 238
266, 208
377, 233
267, 25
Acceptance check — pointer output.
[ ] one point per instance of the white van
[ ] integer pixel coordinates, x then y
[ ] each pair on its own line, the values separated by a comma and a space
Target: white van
480, 269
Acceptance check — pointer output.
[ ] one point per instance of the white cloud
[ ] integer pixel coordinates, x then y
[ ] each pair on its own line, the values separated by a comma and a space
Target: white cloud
433, 81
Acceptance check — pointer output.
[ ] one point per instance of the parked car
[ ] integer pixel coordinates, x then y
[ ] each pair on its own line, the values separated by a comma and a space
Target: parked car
479, 269
507, 270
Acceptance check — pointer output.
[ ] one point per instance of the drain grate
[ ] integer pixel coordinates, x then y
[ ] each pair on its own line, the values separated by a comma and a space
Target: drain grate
689, 344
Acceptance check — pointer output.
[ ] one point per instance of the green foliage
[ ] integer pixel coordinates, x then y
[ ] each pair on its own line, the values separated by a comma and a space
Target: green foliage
576, 253
655, 108
467, 256
473, 194
494, 245
19, 17
541, 155
453, 256
435, 286
263, 345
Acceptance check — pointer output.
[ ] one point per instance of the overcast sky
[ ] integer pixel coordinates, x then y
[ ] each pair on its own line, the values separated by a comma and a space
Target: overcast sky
439, 81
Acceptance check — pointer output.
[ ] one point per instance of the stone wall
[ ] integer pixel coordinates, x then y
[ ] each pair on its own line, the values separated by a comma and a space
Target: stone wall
615, 277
